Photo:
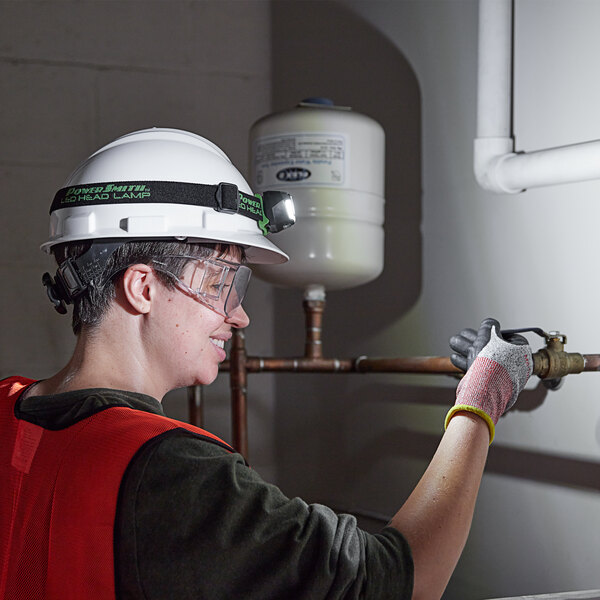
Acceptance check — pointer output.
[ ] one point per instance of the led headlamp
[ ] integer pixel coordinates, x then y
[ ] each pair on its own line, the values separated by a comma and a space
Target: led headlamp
273, 211
279, 209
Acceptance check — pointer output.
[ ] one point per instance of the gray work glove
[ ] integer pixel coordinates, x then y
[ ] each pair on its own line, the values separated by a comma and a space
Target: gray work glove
497, 370
468, 343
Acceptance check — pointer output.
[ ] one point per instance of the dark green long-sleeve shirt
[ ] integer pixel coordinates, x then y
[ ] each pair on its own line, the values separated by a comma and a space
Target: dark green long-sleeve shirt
193, 521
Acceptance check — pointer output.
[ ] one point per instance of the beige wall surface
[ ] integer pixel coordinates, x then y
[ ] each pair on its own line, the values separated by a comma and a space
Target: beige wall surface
74, 76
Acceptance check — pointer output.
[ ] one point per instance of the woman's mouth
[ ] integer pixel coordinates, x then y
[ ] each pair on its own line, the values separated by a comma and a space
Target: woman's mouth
218, 343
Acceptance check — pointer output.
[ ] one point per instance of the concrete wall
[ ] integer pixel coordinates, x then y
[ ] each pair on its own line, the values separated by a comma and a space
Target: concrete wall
75, 75
362, 442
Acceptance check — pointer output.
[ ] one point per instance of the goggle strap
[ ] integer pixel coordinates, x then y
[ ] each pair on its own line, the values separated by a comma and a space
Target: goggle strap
74, 275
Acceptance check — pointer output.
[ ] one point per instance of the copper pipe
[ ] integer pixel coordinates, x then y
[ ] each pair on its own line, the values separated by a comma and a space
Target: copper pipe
194, 394
238, 384
313, 313
591, 362
433, 365
552, 361
299, 365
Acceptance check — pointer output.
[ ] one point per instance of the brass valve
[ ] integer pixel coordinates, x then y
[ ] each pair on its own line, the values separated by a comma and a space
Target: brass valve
552, 362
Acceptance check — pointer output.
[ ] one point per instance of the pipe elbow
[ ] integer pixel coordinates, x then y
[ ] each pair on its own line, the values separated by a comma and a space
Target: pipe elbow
489, 155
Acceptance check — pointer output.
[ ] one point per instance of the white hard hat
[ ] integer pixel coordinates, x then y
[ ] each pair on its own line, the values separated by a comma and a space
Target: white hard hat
167, 183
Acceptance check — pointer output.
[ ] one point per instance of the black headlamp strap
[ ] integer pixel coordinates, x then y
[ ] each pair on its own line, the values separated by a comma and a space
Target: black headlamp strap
223, 197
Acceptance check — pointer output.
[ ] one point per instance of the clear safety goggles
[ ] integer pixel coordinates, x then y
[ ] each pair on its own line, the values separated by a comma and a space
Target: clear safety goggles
215, 282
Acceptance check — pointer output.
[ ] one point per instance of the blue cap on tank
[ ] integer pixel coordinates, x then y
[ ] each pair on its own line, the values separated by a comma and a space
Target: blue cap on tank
318, 100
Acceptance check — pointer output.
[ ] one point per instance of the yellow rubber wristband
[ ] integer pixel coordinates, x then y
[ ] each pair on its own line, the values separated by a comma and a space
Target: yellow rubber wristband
472, 409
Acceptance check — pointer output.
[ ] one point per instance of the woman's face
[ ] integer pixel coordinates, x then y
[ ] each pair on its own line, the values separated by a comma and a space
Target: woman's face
191, 335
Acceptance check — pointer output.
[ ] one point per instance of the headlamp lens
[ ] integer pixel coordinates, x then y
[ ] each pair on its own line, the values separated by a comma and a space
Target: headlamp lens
279, 209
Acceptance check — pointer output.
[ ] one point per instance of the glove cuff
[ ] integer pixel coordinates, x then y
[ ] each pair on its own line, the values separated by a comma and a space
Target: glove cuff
472, 409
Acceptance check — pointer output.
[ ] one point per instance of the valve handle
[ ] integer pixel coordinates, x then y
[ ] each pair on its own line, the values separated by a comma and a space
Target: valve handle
537, 330
551, 335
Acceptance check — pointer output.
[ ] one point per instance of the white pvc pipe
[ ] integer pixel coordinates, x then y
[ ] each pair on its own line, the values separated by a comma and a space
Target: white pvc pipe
494, 74
497, 167
566, 164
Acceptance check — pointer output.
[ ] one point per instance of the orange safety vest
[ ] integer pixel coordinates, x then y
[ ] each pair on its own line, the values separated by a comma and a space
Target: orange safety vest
58, 497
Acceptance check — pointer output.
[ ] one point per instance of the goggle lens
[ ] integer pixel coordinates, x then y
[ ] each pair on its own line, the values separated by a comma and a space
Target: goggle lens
237, 289
216, 282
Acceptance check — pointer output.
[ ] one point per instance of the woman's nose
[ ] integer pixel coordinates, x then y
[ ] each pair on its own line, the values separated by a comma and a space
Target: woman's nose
238, 318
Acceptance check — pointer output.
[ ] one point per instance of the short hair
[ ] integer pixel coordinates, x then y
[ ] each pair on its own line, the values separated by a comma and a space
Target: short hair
90, 307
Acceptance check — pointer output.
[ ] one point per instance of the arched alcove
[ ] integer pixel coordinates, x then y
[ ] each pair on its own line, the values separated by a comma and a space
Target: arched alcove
320, 48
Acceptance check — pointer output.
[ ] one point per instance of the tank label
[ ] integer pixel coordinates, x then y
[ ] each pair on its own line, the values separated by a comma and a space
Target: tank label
300, 158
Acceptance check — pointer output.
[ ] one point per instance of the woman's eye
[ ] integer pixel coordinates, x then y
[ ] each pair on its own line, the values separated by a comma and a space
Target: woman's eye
213, 285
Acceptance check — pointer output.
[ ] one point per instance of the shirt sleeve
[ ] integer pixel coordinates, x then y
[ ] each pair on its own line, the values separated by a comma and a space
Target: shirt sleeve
194, 521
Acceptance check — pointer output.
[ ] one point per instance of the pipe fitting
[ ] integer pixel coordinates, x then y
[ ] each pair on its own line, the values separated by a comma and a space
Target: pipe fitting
489, 156
552, 362
313, 316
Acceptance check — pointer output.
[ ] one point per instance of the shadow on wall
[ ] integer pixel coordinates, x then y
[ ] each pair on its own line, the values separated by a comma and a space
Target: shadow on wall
321, 49
366, 428
333, 431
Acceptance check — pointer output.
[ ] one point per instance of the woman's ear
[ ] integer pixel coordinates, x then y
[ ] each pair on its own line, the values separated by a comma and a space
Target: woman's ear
138, 284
